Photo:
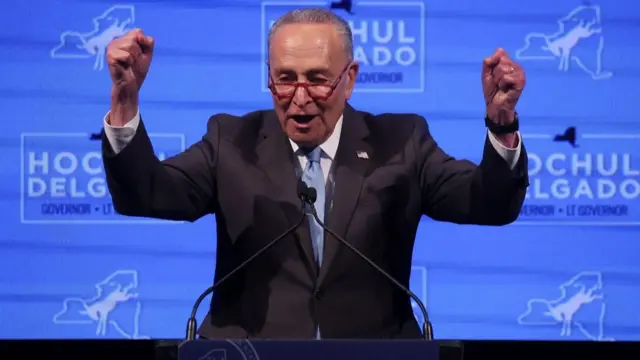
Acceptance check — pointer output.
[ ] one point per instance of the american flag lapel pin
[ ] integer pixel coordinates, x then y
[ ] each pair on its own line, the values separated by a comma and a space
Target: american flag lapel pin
362, 154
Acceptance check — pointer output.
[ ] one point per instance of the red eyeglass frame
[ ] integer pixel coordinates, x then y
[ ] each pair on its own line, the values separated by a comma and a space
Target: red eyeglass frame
306, 86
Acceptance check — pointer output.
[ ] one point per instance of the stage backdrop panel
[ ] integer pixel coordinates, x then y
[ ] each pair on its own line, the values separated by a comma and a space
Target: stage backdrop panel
568, 269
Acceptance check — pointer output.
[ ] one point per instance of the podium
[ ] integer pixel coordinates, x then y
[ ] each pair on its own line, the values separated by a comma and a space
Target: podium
248, 349
175, 349
232, 349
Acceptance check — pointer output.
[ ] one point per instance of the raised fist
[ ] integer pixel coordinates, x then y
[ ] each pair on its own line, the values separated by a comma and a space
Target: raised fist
502, 81
128, 58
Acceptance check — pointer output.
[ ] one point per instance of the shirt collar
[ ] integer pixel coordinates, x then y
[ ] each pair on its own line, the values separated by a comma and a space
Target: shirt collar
330, 146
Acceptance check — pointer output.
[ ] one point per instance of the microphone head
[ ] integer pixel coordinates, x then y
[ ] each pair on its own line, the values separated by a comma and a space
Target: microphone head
303, 190
306, 193
312, 194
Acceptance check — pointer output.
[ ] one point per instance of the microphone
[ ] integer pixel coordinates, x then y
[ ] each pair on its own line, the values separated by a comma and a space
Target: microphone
307, 194
192, 323
310, 195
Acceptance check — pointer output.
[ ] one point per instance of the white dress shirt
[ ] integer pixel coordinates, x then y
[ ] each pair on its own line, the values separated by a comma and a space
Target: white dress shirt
119, 137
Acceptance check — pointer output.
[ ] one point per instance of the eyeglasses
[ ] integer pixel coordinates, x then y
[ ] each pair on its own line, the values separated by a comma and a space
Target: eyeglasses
287, 89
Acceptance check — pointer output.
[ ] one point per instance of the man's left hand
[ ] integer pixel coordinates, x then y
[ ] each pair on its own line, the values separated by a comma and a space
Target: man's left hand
502, 82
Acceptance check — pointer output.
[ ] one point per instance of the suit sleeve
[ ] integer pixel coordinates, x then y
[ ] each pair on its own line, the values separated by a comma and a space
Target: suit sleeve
459, 191
179, 188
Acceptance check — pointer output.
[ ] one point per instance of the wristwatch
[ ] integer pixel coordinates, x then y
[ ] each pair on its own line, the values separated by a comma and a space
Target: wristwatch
502, 129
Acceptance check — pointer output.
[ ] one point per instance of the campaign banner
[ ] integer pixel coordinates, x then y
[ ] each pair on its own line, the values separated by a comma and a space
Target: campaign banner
587, 179
63, 179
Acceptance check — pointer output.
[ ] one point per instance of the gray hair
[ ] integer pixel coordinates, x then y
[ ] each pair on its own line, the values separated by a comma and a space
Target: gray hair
317, 16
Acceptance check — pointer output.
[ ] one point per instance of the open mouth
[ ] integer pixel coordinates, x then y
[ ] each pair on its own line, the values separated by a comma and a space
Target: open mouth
302, 119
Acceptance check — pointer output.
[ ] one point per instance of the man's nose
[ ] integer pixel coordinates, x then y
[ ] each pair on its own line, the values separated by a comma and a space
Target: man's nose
301, 96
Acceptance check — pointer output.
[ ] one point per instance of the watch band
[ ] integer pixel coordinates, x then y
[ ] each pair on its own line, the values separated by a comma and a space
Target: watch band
502, 129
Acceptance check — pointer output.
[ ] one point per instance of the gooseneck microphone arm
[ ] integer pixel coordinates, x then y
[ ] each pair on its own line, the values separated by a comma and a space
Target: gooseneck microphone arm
310, 195
192, 323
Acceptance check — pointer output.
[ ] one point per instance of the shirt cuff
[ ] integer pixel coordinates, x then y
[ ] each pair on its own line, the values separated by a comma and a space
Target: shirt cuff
510, 155
120, 136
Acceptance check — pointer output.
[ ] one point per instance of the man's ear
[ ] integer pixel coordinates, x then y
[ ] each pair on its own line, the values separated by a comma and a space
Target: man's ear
352, 75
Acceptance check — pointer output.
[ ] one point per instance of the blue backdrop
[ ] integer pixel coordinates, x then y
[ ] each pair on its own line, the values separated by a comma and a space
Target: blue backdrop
569, 268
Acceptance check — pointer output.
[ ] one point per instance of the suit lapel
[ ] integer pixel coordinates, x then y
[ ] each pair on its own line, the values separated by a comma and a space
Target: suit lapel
276, 159
349, 170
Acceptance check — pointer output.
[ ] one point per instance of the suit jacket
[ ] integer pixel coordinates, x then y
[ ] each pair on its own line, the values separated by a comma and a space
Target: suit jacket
243, 172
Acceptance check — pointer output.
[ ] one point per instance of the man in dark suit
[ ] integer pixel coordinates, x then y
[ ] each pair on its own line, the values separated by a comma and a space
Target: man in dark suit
376, 175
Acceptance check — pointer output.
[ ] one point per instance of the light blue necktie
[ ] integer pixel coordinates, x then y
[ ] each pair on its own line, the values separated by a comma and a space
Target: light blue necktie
314, 177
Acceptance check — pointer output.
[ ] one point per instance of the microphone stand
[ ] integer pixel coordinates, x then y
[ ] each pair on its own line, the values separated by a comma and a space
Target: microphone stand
192, 323
427, 329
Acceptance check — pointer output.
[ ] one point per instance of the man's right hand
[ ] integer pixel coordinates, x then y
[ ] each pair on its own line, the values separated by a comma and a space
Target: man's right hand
128, 58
